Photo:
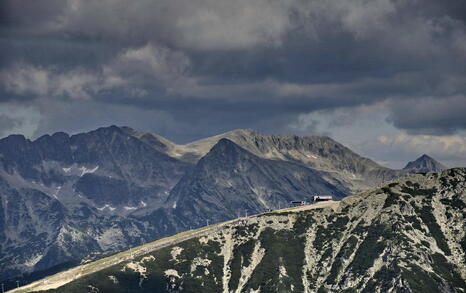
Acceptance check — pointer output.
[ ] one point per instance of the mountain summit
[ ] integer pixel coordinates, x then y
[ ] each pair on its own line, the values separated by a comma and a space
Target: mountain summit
424, 164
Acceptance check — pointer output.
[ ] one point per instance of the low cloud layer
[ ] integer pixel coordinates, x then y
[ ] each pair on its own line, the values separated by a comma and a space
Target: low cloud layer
187, 69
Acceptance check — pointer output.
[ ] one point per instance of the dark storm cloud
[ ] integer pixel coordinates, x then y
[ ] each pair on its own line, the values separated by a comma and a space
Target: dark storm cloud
432, 116
228, 64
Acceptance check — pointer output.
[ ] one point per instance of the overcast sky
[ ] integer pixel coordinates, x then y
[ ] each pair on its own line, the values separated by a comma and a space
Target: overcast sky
386, 78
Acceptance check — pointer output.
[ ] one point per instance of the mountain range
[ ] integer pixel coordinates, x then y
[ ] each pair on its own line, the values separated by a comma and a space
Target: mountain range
65, 199
408, 235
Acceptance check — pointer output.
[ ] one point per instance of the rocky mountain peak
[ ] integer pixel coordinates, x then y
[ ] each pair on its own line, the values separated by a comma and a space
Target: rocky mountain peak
244, 132
14, 138
223, 145
224, 151
424, 164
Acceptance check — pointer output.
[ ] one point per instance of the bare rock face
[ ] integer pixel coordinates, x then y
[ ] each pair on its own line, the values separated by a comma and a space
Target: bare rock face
424, 164
65, 199
407, 236
230, 181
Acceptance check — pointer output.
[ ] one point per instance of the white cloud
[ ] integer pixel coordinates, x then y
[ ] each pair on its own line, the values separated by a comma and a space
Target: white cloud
149, 63
39, 81
76, 84
25, 79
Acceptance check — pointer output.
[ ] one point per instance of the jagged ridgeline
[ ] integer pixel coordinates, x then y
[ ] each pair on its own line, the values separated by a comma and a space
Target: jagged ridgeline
407, 236
69, 198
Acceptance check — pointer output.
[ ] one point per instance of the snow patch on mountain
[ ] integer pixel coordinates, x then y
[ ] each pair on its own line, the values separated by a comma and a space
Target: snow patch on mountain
79, 171
107, 206
85, 170
33, 260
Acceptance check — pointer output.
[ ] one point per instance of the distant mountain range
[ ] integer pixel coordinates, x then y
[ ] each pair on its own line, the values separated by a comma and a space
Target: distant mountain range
408, 235
67, 198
